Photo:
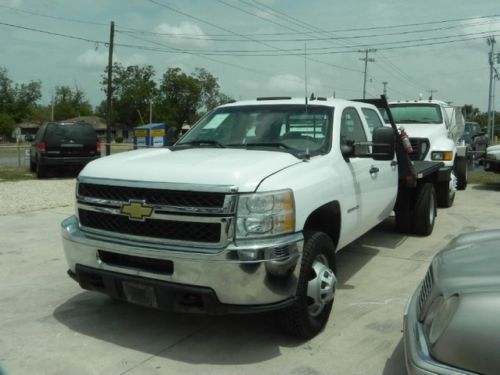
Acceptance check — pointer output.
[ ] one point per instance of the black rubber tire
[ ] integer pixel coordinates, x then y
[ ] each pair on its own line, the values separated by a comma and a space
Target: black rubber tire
40, 170
296, 319
425, 210
403, 211
32, 166
444, 198
460, 170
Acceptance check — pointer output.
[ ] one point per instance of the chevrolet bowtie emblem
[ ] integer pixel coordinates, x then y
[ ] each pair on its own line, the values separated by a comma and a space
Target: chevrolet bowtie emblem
136, 210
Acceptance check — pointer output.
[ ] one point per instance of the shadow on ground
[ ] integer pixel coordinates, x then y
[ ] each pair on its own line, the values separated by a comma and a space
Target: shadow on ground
237, 339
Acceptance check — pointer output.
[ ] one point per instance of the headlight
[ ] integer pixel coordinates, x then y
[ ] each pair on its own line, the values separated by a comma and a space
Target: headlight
265, 214
442, 155
439, 316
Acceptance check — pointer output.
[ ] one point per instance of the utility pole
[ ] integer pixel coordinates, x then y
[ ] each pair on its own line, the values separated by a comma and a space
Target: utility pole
366, 60
151, 111
385, 88
431, 93
491, 42
497, 77
110, 89
52, 108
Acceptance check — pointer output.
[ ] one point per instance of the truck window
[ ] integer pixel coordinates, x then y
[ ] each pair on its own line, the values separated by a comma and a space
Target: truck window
372, 118
351, 129
416, 113
294, 128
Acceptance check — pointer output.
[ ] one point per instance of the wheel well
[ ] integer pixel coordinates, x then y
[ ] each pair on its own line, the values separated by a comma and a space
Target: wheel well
325, 219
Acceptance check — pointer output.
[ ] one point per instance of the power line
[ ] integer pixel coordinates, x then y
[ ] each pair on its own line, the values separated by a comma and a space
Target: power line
315, 38
34, 13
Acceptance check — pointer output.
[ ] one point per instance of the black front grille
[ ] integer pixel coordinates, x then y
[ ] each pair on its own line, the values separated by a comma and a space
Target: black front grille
145, 264
165, 229
153, 196
420, 148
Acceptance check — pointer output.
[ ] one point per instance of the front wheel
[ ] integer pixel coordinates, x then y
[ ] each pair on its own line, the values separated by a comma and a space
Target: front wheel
460, 170
315, 290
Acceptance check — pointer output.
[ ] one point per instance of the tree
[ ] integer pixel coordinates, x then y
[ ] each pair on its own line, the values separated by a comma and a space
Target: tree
133, 90
211, 96
7, 124
18, 100
180, 96
470, 112
69, 103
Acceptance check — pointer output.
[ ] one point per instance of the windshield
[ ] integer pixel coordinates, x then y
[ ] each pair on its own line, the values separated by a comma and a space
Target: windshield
289, 128
409, 113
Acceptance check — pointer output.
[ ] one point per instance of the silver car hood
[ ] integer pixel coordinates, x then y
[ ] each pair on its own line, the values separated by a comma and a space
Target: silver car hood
470, 267
470, 263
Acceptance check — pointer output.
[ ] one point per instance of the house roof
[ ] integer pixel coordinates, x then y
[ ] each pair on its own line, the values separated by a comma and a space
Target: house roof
98, 123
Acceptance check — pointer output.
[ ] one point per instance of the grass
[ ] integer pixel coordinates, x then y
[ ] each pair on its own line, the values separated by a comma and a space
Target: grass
484, 178
15, 174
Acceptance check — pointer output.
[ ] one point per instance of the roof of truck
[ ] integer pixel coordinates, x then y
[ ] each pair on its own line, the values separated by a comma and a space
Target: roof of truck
330, 102
420, 101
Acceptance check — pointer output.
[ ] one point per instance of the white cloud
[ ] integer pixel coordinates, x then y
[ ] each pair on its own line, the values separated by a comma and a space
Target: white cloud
135, 59
291, 84
480, 25
186, 33
92, 59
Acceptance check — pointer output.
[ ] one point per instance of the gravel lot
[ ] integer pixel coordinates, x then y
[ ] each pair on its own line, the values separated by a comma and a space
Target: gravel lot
35, 195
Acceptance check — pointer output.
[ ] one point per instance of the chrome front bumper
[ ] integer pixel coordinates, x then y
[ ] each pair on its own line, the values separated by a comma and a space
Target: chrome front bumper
418, 358
247, 273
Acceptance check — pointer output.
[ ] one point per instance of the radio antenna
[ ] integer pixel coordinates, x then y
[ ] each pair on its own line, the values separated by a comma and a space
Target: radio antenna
305, 72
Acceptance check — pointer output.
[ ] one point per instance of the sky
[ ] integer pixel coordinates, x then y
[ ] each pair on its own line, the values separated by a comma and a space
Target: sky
260, 47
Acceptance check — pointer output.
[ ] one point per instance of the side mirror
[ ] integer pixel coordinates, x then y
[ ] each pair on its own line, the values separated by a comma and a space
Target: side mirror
383, 143
346, 150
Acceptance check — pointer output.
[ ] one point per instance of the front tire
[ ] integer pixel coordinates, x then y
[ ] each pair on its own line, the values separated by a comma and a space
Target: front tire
315, 289
445, 195
460, 170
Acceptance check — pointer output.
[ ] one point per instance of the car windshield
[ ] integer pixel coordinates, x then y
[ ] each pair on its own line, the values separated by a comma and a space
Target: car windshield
80, 133
409, 113
290, 128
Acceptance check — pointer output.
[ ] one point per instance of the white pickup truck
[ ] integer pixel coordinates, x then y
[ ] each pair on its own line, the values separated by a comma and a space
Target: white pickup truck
492, 160
246, 211
435, 129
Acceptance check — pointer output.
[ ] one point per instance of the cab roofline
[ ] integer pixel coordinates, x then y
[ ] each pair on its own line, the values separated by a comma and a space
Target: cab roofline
330, 102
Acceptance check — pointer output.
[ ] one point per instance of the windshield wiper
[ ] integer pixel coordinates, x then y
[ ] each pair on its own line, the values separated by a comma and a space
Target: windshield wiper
414, 122
202, 142
268, 144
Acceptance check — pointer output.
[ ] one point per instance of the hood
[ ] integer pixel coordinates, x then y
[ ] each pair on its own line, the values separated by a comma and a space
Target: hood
430, 131
470, 262
241, 168
493, 149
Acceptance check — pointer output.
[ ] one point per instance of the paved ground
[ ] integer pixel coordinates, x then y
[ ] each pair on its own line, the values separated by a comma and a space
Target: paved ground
50, 326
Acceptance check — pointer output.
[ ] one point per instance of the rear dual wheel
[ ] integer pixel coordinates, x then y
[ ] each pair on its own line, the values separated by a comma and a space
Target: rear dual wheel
416, 212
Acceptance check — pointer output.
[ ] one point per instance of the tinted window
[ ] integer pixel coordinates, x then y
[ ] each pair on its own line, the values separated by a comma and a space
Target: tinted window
351, 129
80, 133
372, 118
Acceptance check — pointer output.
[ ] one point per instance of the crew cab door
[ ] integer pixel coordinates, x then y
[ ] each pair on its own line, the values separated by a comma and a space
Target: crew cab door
373, 184
384, 182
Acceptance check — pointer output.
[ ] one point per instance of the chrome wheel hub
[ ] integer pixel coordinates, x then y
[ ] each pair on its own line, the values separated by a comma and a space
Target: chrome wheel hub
321, 286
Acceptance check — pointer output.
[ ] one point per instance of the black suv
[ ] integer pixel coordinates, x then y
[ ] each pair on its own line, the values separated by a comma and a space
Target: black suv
59, 145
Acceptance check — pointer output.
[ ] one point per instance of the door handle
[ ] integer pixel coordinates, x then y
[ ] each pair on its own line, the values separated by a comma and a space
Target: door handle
394, 163
373, 170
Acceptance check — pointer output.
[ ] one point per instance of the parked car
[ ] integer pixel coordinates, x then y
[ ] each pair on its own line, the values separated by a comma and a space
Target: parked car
58, 145
452, 321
